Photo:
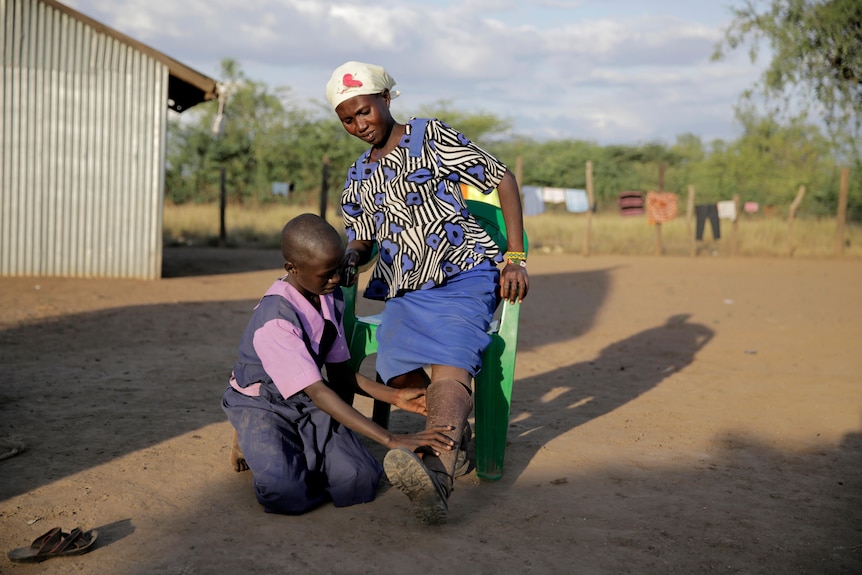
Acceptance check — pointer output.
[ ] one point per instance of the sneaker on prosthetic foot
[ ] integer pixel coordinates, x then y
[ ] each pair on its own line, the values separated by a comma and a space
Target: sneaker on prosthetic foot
408, 474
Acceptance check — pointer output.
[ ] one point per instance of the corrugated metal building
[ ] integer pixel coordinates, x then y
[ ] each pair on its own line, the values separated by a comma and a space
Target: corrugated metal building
83, 132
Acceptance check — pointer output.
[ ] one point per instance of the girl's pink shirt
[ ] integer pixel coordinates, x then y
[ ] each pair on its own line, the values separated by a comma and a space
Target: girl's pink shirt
282, 351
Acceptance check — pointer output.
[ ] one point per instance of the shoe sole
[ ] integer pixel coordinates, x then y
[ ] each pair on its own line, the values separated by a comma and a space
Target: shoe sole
407, 473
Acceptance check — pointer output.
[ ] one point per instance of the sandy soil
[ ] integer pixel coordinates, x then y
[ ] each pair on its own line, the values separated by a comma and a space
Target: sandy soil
671, 415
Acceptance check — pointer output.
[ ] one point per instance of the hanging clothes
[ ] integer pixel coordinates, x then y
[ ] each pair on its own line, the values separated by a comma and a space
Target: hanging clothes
751, 207
705, 212
577, 201
533, 202
554, 195
727, 210
631, 203
661, 207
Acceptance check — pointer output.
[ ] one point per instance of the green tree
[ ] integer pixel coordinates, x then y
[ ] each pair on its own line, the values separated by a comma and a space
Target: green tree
768, 163
481, 127
616, 168
251, 148
816, 49
196, 155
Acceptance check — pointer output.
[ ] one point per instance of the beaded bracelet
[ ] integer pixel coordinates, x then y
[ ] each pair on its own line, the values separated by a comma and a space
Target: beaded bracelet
518, 258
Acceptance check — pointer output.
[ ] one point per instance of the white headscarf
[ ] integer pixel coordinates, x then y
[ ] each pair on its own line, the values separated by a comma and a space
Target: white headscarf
358, 79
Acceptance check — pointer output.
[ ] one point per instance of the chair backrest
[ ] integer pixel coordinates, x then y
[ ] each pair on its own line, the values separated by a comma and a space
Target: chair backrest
490, 217
349, 319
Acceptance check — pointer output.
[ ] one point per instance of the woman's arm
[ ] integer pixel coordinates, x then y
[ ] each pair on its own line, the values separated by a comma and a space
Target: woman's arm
514, 281
510, 203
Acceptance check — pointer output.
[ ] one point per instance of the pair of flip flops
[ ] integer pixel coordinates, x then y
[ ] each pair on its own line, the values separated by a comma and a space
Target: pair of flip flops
55, 543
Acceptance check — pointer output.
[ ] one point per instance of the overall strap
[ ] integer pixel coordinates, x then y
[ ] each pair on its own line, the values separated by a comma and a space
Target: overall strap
338, 297
289, 313
417, 136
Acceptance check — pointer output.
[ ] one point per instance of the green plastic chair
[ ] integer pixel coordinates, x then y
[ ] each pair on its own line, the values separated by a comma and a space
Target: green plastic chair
493, 394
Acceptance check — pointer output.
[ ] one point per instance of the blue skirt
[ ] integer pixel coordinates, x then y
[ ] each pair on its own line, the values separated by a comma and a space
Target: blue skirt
443, 325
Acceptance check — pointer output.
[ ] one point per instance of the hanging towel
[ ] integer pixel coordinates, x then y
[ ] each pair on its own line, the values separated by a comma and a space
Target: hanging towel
554, 195
660, 207
751, 207
727, 210
577, 201
533, 203
631, 203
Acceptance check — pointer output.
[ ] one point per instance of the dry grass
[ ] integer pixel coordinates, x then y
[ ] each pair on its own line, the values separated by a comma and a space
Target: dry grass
198, 224
549, 232
751, 236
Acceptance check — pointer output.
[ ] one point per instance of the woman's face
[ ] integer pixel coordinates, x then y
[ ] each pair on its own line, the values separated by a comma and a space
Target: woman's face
367, 117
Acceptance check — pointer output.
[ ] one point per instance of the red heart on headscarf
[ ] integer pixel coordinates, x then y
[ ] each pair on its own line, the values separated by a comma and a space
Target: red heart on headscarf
350, 82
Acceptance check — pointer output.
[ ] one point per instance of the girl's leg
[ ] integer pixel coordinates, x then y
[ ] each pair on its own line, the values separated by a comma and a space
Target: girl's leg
348, 471
273, 450
237, 459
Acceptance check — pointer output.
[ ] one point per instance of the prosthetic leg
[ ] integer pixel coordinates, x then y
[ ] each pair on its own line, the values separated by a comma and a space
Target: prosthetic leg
428, 481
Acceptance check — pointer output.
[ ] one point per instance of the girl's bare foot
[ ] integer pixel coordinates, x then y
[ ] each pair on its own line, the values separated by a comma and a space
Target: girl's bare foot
237, 459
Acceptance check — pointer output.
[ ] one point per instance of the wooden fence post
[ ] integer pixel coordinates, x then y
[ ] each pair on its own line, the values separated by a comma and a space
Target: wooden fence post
222, 207
324, 187
659, 246
590, 200
689, 214
842, 211
519, 171
734, 244
793, 207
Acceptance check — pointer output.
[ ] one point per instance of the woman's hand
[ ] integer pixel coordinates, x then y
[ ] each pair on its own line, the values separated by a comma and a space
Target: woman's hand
433, 438
349, 267
514, 282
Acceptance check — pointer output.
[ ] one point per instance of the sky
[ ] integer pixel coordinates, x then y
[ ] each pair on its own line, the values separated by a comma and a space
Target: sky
606, 71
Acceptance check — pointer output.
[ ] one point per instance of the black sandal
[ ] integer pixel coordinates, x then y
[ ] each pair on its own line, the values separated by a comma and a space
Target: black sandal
54, 543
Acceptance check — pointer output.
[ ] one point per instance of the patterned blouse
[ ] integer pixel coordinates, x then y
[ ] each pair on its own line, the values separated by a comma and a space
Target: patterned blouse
411, 204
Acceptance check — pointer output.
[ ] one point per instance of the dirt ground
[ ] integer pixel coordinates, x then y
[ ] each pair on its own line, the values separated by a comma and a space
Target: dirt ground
670, 415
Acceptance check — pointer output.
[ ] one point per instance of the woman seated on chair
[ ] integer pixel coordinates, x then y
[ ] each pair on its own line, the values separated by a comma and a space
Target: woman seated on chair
437, 267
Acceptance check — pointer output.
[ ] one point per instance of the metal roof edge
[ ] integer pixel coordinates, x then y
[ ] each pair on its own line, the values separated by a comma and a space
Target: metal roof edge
207, 86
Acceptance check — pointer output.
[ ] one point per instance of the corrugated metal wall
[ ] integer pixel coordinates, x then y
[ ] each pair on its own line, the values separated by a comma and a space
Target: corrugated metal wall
82, 149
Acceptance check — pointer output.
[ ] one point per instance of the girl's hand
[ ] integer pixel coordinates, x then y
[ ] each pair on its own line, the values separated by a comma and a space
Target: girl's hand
514, 283
412, 399
433, 438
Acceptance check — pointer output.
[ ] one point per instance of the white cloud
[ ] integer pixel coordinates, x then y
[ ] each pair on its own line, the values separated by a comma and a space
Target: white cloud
376, 27
617, 70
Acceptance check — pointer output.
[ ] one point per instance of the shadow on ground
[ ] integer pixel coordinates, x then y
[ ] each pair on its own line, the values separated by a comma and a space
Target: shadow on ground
189, 261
